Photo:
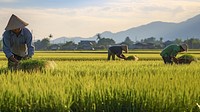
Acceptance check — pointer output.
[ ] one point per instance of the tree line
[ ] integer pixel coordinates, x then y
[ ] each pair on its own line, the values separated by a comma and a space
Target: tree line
103, 43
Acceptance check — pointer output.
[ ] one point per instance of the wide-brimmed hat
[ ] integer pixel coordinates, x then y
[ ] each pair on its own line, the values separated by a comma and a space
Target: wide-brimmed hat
15, 22
184, 46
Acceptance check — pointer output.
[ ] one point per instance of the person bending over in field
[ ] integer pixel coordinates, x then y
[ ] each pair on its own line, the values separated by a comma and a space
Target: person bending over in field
169, 53
117, 50
17, 42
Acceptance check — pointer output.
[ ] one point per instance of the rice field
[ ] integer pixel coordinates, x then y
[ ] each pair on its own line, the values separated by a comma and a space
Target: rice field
84, 81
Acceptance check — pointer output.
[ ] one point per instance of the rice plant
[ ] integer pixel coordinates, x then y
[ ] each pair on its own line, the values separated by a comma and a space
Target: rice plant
102, 86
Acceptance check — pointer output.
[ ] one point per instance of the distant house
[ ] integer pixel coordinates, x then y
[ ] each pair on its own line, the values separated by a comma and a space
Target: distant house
86, 45
54, 47
69, 47
168, 43
140, 45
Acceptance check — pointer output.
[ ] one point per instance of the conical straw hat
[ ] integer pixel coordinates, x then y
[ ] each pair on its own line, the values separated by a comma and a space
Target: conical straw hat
184, 46
15, 23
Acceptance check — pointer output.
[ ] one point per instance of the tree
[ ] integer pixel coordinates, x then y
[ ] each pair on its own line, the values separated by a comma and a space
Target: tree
98, 36
43, 44
69, 46
150, 40
105, 42
127, 41
178, 40
37, 45
50, 36
193, 43
161, 39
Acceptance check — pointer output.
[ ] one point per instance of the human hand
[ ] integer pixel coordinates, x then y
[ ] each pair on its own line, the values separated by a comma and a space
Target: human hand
175, 60
12, 58
123, 57
14, 62
26, 57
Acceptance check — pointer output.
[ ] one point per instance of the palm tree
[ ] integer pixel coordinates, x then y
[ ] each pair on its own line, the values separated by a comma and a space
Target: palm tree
98, 36
50, 36
161, 39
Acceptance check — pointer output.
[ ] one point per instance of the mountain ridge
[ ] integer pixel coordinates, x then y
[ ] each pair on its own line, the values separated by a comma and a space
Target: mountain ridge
189, 28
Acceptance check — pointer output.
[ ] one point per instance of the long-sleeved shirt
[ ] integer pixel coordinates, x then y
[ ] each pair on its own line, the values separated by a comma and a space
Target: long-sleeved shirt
116, 50
20, 45
171, 50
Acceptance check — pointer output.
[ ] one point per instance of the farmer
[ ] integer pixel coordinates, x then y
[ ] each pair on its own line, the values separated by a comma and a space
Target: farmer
169, 53
17, 42
117, 50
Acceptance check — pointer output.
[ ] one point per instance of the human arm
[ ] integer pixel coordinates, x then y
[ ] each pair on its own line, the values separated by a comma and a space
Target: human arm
7, 48
14, 60
175, 60
173, 54
29, 44
7, 44
121, 56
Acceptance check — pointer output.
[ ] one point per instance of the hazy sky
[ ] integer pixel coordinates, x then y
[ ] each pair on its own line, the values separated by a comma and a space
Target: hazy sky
85, 18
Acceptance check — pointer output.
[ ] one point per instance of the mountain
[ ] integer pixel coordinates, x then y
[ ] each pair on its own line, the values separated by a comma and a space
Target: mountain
168, 31
64, 39
154, 29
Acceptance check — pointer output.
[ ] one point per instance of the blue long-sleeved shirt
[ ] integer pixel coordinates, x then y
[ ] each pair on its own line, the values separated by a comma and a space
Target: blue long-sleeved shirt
20, 45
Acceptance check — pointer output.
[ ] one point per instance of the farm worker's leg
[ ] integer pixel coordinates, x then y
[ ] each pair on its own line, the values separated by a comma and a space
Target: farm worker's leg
167, 60
113, 56
109, 54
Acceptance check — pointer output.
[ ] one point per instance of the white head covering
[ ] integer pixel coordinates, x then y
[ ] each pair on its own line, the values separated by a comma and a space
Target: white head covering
15, 23
184, 46
125, 48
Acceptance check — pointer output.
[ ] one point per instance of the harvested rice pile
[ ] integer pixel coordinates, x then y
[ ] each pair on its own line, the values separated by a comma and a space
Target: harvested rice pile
134, 58
186, 59
36, 65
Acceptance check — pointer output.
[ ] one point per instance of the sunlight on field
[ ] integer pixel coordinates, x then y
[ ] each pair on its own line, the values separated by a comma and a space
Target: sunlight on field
92, 84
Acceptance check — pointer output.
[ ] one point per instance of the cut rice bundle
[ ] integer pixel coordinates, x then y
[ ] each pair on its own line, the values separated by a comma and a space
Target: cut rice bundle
186, 59
36, 65
134, 58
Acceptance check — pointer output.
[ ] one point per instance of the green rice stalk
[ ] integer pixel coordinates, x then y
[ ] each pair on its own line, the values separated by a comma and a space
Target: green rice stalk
35, 65
186, 59
135, 58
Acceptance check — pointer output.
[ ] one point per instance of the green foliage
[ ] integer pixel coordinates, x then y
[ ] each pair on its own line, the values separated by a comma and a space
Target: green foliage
31, 64
43, 44
105, 42
135, 58
100, 85
186, 59
187, 56
127, 41
193, 43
